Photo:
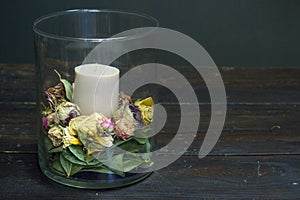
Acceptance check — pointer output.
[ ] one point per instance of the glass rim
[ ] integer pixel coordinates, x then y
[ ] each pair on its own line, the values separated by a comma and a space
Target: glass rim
68, 38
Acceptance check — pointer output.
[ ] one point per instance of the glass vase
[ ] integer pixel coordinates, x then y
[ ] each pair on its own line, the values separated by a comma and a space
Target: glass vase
78, 147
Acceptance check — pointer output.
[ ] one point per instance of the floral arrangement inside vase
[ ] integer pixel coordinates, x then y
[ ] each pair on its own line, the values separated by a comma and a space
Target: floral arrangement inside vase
96, 143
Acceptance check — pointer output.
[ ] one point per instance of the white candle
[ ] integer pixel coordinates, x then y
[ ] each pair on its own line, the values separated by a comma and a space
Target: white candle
96, 89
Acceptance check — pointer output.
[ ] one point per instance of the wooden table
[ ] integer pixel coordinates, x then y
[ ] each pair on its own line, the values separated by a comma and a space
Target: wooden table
257, 155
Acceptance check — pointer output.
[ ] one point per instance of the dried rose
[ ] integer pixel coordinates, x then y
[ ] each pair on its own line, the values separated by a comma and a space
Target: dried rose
137, 114
124, 99
124, 128
146, 108
72, 128
70, 139
55, 134
55, 94
91, 128
124, 112
66, 111
48, 120
107, 125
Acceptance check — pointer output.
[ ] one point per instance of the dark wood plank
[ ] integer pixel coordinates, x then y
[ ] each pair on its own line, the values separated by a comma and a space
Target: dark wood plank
17, 83
243, 85
251, 177
256, 157
248, 130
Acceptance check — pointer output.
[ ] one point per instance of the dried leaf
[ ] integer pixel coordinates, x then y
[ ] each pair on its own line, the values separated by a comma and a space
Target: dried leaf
81, 155
67, 86
72, 159
57, 165
66, 165
56, 149
140, 140
77, 151
69, 167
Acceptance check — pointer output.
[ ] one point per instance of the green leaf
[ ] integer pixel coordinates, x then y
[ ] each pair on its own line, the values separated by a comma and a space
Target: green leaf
47, 111
77, 151
120, 173
57, 165
114, 163
75, 169
130, 164
69, 168
66, 165
67, 86
56, 149
72, 159
148, 146
132, 146
118, 141
140, 140
91, 160
117, 162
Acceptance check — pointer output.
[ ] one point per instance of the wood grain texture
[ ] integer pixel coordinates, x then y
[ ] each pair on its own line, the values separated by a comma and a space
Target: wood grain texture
250, 177
248, 130
243, 85
256, 157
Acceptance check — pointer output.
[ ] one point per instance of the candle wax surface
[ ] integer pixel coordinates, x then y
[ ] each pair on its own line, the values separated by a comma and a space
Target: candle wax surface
96, 89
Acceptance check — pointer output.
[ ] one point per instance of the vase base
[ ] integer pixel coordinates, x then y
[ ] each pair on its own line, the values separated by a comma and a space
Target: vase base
99, 181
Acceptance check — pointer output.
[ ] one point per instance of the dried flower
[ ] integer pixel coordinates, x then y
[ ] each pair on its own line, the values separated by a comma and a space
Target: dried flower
48, 120
91, 128
69, 139
124, 112
146, 108
137, 114
66, 111
72, 127
124, 99
55, 94
55, 134
107, 125
124, 128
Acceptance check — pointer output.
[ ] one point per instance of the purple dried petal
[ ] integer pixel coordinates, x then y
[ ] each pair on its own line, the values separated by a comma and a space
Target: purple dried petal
45, 122
137, 114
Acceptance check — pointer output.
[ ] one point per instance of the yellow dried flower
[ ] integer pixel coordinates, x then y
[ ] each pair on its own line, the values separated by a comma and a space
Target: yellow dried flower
94, 127
146, 107
69, 139
55, 134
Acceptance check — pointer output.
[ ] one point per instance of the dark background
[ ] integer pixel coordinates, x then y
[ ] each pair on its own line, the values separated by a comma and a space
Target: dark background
244, 33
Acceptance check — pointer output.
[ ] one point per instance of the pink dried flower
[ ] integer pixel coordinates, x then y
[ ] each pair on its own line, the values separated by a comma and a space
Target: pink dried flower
107, 124
48, 120
124, 128
124, 99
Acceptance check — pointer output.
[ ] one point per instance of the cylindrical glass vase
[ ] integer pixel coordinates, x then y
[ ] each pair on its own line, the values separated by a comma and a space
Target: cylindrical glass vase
91, 135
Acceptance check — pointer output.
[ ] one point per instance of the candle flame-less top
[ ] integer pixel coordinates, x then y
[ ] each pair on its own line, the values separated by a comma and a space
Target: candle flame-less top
96, 88
96, 70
